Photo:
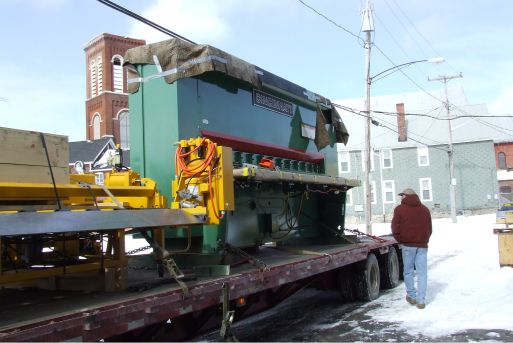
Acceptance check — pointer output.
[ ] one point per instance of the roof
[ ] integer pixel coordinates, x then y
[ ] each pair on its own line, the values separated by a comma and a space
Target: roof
424, 129
110, 36
88, 151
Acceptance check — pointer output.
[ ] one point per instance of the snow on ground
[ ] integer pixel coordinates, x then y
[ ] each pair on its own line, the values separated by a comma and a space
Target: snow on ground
467, 289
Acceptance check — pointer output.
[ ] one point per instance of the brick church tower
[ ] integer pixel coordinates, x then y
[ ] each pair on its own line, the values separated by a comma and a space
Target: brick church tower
107, 101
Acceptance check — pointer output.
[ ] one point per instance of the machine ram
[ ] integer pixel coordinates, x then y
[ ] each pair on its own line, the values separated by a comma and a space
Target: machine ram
234, 187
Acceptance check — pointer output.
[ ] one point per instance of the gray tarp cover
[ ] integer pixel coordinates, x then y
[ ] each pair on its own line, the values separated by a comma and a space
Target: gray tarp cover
182, 59
179, 59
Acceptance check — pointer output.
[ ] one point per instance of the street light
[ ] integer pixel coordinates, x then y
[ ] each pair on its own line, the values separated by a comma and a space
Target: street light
404, 65
370, 79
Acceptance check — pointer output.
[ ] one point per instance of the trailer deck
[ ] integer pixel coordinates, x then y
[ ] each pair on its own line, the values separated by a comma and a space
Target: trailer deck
37, 315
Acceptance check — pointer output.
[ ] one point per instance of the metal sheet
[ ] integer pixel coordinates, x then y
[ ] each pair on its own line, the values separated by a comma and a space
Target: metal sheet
259, 174
27, 223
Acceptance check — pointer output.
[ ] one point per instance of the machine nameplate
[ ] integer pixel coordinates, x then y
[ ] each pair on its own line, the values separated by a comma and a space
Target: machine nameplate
272, 103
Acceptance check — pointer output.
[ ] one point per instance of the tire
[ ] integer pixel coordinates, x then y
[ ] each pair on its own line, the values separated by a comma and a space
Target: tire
345, 283
367, 280
390, 270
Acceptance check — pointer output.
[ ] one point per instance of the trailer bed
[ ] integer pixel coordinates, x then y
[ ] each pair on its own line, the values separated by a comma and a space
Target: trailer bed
38, 315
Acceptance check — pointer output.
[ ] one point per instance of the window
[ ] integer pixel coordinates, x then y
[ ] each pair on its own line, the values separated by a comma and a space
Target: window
98, 178
344, 162
99, 74
505, 189
502, 161
423, 156
349, 197
96, 126
117, 74
388, 191
371, 161
124, 130
386, 155
92, 76
426, 192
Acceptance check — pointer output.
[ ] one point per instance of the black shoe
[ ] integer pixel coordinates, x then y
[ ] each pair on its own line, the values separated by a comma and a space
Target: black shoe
410, 300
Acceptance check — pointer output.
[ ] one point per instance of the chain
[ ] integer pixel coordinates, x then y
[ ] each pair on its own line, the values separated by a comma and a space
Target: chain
251, 259
135, 251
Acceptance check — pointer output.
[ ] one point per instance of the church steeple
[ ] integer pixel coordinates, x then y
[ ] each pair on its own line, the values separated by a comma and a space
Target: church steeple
106, 101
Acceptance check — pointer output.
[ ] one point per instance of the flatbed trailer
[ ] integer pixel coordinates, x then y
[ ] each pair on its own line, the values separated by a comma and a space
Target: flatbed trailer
162, 309
248, 210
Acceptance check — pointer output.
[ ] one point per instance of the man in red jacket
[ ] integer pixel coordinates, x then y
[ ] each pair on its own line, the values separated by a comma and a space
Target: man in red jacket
411, 227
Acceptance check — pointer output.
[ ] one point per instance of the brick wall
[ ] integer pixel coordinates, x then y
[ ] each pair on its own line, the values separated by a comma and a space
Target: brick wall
107, 104
507, 149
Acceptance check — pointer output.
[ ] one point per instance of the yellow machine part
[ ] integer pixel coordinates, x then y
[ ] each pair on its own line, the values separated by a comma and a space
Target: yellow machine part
26, 259
204, 179
126, 188
133, 179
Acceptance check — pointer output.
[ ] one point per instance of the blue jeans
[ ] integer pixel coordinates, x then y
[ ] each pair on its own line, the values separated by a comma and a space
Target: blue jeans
415, 257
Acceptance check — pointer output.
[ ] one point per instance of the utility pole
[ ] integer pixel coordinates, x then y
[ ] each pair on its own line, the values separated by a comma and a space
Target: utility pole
452, 183
368, 28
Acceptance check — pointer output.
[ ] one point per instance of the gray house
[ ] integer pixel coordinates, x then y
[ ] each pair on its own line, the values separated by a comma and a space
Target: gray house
410, 149
93, 157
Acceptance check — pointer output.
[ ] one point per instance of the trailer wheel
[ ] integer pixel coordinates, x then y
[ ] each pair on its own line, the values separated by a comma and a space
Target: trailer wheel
390, 271
367, 279
345, 283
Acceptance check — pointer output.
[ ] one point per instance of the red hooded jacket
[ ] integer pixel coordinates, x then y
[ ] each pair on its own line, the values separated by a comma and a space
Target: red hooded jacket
411, 224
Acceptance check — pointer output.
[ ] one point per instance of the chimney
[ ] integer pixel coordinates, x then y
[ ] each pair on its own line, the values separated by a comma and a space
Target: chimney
401, 123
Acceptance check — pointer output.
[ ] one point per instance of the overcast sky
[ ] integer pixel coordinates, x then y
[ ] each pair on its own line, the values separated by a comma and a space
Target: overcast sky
42, 62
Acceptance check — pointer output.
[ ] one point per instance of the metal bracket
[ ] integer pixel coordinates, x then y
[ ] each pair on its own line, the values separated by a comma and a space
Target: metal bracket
168, 262
226, 324
176, 274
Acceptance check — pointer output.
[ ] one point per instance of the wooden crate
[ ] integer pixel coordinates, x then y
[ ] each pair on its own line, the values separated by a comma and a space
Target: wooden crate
505, 246
23, 157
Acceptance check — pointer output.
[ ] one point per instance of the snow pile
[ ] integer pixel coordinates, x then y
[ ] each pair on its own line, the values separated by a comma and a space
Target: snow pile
468, 290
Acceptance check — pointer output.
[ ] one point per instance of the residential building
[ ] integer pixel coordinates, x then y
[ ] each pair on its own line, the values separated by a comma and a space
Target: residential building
410, 147
91, 157
504, 160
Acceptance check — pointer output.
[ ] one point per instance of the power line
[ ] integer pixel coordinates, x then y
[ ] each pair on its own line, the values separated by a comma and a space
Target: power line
393, 38
360, 39
144, 20
495, 127
420, 33
451, 118
415, 140
377, 47
433, 121
391, 113
375, 122
399, 20
408, 77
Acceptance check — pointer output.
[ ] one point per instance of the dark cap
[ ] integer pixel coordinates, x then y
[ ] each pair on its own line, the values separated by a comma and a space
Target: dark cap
407, 191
